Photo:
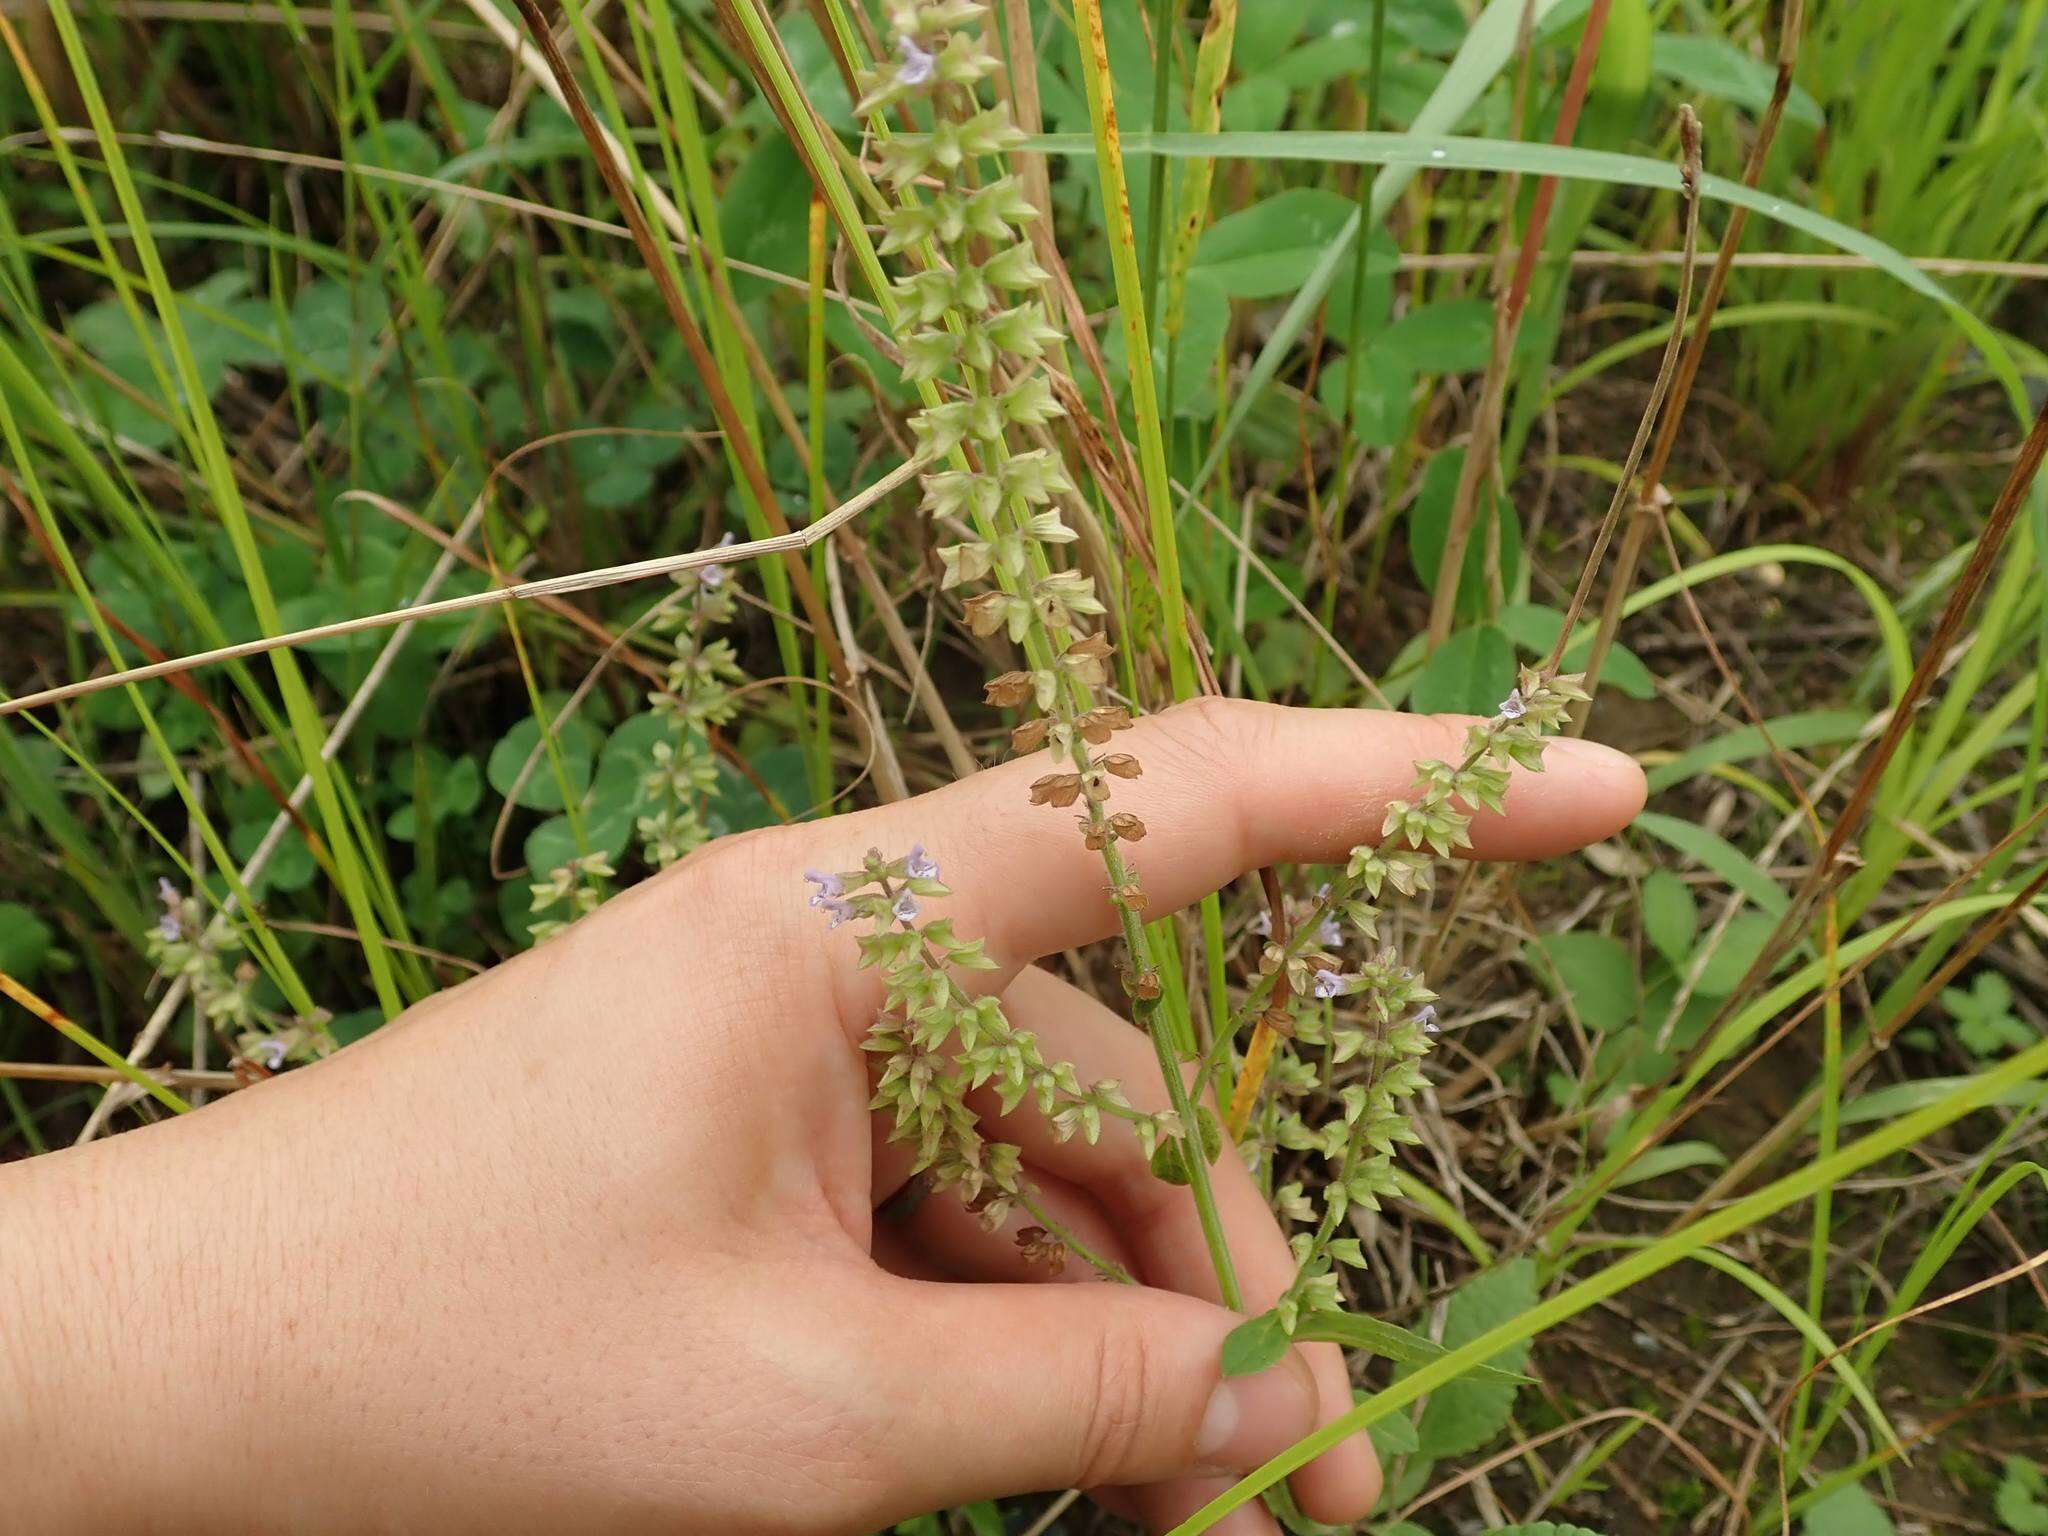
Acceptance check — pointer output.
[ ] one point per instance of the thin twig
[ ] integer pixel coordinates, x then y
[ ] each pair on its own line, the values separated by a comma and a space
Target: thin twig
549, 586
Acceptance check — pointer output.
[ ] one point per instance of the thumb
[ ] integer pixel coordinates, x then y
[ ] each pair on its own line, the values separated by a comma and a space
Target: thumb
1032, 1387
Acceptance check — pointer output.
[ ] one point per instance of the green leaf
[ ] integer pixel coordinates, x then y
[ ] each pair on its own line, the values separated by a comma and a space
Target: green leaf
2022, 1502
1271, 247
1736, 950
24, 941
1718, 855
1429, 522
1713, 66
1597, 974
1545, 1528
1674, 1158
1393, 1436
1848, 1511
1470, 673
1670, 915
1466, 1413
1453, 336
1380, 393
1534, 627
575, 744
1254, 1346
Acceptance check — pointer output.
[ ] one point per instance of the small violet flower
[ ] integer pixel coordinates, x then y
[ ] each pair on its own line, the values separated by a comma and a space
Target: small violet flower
712, 577
918, 866
271, 1053
1329, 934
169, 928
830, 896
1426, 1017
1513, 707
917, 65
1261, 924
904, 908
1328, 984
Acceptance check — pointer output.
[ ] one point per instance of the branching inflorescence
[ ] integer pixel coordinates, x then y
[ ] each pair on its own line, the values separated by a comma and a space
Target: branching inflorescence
973, 332
934, 1042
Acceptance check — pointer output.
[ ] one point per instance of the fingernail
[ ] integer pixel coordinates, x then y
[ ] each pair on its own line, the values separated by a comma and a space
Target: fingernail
1251, 1419
1580, 756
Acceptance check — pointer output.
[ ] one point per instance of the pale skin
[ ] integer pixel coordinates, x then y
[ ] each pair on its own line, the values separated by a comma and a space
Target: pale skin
591, 1242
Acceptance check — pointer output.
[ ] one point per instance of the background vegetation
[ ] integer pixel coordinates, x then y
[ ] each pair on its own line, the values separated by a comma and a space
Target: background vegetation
308, 314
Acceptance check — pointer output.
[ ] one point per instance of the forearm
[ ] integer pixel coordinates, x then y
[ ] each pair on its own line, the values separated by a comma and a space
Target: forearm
111, 1313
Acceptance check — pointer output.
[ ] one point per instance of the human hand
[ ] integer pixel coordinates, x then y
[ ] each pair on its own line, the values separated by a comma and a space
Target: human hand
591, 1242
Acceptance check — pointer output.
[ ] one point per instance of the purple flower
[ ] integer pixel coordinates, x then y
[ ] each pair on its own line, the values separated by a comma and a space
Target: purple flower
1329, 933
828, 886
166, 892
1513, 707
271, 1053
1426, 1017
904, 908
169, 928
712, 577
1261, 924
838, 907
918, 867
1328, 984
917, 65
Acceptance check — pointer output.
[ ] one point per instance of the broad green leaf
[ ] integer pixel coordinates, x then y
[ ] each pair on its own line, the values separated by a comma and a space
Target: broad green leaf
1265, 31
1272, 246
1713, 66
1452, 336
1848, 1511
2022, 1501
1733, 954
1534, 627
575, 745
1466, 1413
24, 941
1597, 974
1429, 522
1470, 673
1670, 916
1718, 855
1254, 1346
1380, 394
1394, 1436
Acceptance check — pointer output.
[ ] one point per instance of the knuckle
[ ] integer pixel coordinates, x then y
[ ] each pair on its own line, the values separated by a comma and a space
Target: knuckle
1114, 1418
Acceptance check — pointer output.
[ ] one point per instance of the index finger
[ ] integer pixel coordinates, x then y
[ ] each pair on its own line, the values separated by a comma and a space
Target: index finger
1227, 786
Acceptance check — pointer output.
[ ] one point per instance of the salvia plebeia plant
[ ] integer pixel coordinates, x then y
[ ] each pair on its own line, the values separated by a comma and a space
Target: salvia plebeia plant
223, 983
1360, 1032
934, 1043
973, 330
680, 776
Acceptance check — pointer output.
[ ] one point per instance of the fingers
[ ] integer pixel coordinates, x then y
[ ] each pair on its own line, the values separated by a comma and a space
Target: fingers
1157, 1223
1034, 1387
1227, 786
